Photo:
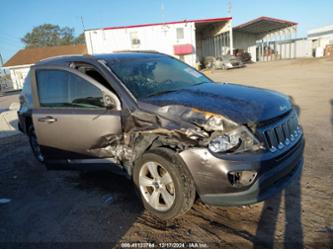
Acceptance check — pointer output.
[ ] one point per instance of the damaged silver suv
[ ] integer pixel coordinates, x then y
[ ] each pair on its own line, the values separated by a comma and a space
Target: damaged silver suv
171, 129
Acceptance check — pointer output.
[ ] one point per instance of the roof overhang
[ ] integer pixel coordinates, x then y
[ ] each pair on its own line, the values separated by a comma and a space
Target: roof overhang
323, 31
18, 66
30, 56
263, 25
210, 20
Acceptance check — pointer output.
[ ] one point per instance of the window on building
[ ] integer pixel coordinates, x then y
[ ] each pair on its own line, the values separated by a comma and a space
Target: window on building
180, 33
135, 41
58, 88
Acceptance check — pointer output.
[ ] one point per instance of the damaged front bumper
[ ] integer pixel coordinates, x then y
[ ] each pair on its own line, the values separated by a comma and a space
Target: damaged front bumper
274, 172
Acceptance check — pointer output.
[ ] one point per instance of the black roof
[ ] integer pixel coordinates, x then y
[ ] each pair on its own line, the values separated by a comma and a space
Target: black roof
122, 55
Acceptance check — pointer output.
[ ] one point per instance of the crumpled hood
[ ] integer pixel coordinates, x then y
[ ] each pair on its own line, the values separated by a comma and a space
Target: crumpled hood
241, 104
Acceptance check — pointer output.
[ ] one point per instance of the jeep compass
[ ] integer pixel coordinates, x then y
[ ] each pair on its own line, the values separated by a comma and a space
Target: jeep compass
176, 133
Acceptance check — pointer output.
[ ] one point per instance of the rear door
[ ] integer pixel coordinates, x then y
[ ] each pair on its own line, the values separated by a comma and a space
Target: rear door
70, 118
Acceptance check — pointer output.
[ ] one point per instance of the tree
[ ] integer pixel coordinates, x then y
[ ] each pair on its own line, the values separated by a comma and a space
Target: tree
80, 39
47, 35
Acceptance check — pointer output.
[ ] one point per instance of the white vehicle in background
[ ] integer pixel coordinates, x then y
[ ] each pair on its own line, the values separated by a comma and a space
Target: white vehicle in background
224, 62
5, 82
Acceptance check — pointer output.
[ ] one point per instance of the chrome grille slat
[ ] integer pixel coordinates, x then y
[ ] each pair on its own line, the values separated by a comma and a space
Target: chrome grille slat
281, 134
273, 138
286, 130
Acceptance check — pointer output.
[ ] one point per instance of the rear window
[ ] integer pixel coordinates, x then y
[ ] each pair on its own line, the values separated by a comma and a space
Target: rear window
26, 90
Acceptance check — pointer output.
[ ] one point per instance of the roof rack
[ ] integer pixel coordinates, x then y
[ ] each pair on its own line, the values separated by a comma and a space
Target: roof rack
61, 56
137, 51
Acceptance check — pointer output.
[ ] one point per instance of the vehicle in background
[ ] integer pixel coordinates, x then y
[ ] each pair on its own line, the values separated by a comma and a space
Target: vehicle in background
245, 57
5, 81
224, 62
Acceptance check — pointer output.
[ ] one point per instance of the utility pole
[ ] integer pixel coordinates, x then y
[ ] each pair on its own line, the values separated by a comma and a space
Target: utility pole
231, 40
162, 12
1, 60
82, 22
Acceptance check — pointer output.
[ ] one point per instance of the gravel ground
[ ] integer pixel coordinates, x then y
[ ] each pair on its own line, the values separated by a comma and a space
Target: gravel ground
63, 209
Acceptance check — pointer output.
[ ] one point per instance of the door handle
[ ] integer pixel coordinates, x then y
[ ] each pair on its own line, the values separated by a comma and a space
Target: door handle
47, 119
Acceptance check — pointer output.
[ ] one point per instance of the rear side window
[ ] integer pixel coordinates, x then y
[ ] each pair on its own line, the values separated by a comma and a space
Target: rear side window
26, 91
58, 88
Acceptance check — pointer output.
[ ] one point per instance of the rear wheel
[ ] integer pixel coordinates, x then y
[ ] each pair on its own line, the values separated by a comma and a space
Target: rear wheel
164, 183
34, 145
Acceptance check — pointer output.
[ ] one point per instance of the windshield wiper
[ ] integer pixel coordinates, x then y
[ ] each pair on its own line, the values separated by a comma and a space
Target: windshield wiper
205, 82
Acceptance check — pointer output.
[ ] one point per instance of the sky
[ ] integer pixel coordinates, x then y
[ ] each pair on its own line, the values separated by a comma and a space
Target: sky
18, 17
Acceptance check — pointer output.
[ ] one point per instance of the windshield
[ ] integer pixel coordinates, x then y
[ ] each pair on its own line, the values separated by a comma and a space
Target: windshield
156, 74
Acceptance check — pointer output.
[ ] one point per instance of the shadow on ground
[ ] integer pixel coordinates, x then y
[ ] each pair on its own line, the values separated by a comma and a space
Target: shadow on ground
267, 226
98, 209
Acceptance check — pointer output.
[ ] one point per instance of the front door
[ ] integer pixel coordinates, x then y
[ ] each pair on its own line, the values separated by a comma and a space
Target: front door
69, 115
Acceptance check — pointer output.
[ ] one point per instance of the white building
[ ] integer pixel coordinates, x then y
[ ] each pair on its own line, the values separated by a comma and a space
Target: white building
320, 38
189, 40
20, 63
264, 38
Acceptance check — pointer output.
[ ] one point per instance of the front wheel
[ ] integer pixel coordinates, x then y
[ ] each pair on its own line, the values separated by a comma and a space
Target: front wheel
164, 183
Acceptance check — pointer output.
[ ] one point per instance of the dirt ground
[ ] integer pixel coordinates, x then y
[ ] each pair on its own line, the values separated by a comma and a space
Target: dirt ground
98, 209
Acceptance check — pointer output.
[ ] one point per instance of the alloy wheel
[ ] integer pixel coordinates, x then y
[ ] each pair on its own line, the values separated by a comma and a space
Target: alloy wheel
156, 186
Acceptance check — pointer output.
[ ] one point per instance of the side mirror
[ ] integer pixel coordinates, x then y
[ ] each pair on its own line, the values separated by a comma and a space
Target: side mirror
109, 102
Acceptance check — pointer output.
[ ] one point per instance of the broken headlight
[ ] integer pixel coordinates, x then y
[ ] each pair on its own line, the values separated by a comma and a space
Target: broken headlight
214, 123
208, 121
237, 140
223, 143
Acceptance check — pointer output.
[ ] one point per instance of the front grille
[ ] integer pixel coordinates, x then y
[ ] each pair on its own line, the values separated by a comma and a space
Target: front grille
281, 134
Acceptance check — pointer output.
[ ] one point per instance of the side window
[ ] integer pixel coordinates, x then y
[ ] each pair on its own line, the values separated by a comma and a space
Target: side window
58, 88
84, 94
180, 33
135, 41
26, 90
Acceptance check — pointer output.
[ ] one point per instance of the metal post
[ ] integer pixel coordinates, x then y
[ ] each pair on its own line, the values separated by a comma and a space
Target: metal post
274, 38
215, 46
219, 45
295, 36
262, 49
267, 47
289, 43
283, 44
231, 38
224, 43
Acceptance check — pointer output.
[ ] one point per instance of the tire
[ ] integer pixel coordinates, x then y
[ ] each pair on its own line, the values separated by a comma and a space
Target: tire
34, 145
173, 198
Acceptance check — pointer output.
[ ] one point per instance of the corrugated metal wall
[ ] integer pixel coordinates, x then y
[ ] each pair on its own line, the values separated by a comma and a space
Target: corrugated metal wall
216, 46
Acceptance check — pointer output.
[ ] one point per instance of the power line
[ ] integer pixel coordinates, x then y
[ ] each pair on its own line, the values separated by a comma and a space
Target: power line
9, 36
9, 40
5, 43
